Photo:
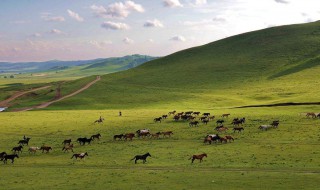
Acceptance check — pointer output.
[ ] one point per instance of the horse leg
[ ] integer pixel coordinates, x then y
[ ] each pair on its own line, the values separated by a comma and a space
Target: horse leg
135, 161
192, 160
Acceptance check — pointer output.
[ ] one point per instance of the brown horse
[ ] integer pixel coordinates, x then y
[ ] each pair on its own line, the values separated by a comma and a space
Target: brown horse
128, 136
97, 136
144, 134
172, 112
81, 155
229, 137
222, 139
199, 157
312, 114
156, 135
222, 129
68, 147
45, 148
167, 133
225, 115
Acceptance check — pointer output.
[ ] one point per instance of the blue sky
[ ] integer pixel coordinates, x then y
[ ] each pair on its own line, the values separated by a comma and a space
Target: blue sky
39, 30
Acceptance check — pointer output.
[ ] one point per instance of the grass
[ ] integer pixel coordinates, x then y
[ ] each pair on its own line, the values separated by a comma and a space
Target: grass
284, 158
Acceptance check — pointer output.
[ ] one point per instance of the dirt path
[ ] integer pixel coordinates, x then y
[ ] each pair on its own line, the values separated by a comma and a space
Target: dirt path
5, 103
46, 104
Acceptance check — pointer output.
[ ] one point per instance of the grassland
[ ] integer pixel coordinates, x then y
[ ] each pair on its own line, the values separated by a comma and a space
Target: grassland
284, 158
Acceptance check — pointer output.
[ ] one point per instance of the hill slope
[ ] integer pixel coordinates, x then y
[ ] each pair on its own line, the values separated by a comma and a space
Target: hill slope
279, 64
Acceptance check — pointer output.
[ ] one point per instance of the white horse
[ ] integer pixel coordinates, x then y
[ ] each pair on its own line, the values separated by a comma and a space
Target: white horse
265, 127
33, 149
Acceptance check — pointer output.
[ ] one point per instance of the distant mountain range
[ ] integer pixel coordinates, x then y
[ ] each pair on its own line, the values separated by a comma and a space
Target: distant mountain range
120, 63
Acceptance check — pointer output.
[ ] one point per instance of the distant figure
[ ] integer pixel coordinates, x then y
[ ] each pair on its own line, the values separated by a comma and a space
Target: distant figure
120, 114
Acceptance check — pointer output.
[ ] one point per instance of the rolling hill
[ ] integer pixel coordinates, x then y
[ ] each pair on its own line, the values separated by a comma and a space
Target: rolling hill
273, 65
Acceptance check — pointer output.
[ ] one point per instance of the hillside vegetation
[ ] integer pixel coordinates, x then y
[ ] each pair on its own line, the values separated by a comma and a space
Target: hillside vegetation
274, 65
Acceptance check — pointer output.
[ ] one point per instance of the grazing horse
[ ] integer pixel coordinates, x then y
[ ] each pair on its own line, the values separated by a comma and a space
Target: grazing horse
45, 148
141, 157
67, 148
33, 149
115, 137
128, 136
9, 157
219, 121
167, 133
229, 138
172, 112
239, 129
97, 136
194, 123
312, 114
100, 120
203, 118
157, 119
17, 149
81, 155
225, 115
83, 141
24, 141
67, 141
2, 154
199, 157
211, 118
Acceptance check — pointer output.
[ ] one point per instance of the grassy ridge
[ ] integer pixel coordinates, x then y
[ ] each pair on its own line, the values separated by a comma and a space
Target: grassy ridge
284, 158
273, 65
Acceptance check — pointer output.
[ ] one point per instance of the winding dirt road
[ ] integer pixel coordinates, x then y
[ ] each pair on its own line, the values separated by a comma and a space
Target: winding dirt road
5, 103
46, 104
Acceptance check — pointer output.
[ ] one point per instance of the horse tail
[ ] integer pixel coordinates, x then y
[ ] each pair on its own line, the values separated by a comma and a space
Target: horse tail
190, 157
133, 158
72, 156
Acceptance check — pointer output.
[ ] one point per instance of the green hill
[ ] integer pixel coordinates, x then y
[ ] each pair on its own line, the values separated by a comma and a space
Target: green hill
274, 65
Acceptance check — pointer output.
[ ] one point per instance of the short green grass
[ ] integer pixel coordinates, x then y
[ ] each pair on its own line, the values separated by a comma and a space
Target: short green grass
284, 158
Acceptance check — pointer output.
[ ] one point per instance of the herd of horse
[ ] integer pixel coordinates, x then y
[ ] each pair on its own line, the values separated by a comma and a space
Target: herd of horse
32, 149
194, 119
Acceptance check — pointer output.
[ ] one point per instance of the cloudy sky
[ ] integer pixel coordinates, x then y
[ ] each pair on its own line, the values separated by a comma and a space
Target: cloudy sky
40, 30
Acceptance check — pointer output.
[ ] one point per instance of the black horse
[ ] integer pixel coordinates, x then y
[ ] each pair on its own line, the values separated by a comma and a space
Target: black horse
141, 157
157, 119
220, 121
100, 120
193, 123
83, 141
10, 157
24, 141
2, 154
17, 149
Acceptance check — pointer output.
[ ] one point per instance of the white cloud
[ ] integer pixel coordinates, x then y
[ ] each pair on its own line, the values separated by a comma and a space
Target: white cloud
282, 1
56, 31
153, 23
117, 10
150, 40
200, 2
178, 38
100, 45
114, 26
172, 3
127, 40
75, 16
36, 35
53, 18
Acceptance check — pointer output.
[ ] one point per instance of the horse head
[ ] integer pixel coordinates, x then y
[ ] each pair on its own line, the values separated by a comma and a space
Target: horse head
148, 154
